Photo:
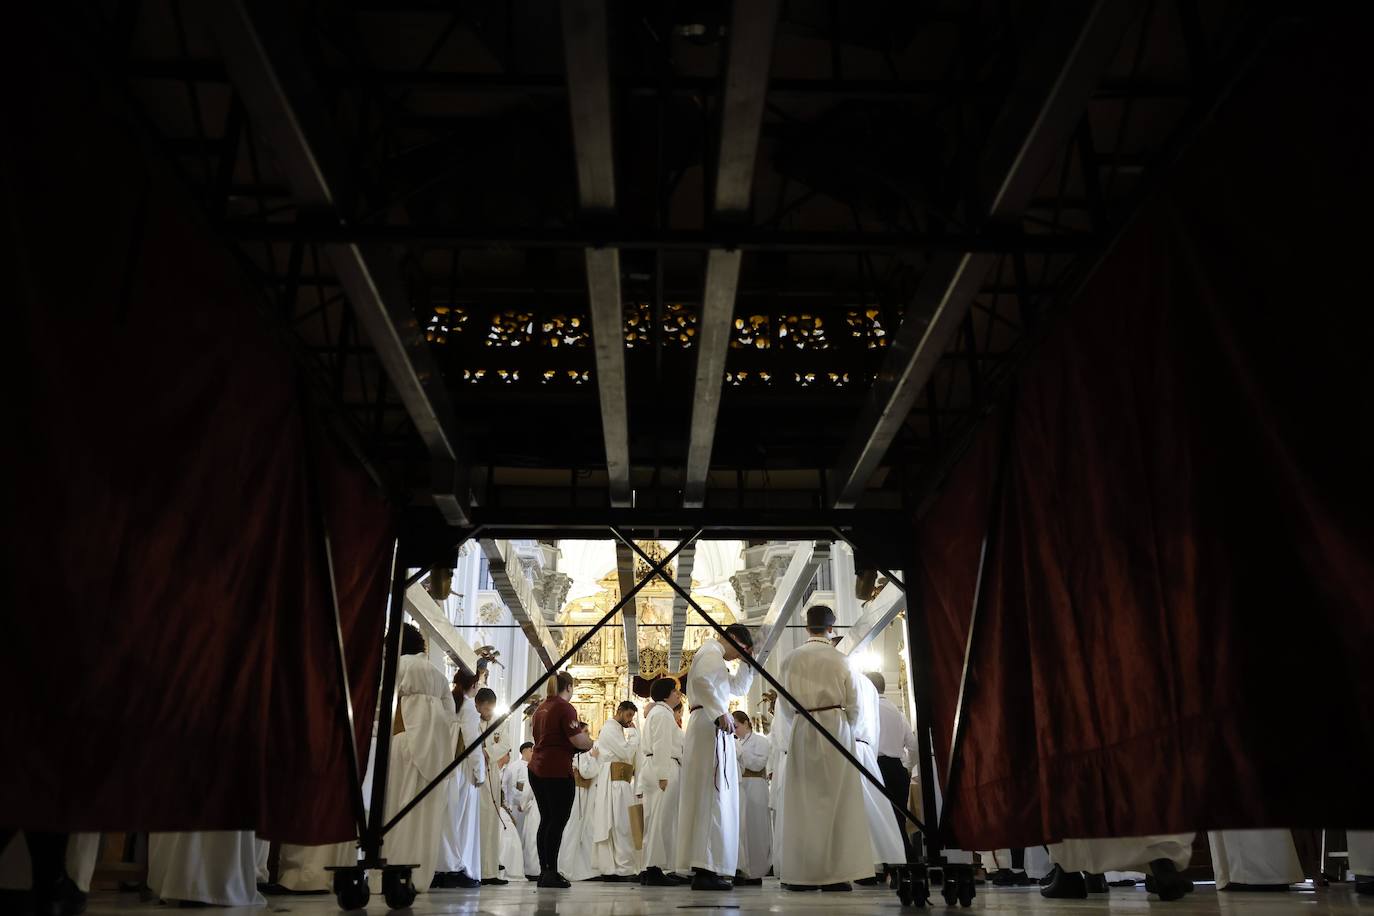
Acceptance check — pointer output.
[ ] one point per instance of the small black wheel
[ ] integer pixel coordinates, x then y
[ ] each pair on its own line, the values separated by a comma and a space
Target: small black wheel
350, 888
967, 892
950, 891
397, 887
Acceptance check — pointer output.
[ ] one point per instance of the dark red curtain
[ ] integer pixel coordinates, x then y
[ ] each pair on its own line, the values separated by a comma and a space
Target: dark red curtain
1180, 609
166, 655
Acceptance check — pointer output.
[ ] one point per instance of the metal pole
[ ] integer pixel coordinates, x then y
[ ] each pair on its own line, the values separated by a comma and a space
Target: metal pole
772, 681
315, 506
990, 536
553, 669
391, 659
918, 650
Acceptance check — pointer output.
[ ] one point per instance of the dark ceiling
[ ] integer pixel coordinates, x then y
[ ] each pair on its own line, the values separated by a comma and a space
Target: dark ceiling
523, 248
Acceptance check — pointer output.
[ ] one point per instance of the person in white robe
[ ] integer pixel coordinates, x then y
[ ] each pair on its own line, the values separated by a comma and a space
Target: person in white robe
16, 868
824, 839
529, 830
514, 779
756, 823
888, 848
421, 747
216, 867
662, 757
577, 852
1255, 859
489, 807
1359, 846
779, 739
460, 851
1160, 857
613, 793
708, 805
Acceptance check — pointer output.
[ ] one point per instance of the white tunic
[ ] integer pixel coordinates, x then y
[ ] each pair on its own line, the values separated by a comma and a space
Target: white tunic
514, 778
888, 848
1360, 845
611, 801
780, 738
418, 755
577, 853
306, 868
824, 837
529, 830
1127, 854
708, 807
1254, 857
489, 807
662, 763
217, 867
461, 849
756, 825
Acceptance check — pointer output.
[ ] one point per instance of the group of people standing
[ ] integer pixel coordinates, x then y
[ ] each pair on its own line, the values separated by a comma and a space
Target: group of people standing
712, 796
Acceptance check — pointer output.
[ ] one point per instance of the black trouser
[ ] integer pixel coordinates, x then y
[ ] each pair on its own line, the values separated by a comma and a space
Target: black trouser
47, 856
554, 796
897, 782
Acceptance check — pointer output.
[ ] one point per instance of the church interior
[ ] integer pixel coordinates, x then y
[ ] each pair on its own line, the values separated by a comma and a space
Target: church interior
506, 457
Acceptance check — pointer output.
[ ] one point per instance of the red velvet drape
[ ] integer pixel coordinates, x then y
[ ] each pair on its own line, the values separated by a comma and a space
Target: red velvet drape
166, 652
1180, 608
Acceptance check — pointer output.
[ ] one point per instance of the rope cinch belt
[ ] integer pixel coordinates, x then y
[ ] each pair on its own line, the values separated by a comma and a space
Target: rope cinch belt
720, 735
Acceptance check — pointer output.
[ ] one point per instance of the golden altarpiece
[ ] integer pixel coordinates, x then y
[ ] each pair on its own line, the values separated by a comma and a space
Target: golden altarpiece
600, 666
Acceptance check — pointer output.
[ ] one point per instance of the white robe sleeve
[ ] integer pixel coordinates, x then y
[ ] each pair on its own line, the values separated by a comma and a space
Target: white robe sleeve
658, 762
753, 752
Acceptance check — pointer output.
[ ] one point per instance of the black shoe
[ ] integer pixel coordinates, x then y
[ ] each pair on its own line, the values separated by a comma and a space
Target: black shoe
553, 879
498, 882
748, 882
654, 877
839, 887
800, 888
437, 883
1065, 885
1002, 878
1364, 885
1165, 881
1096, 884
677, 880
460, 880
531, 877
1237, 887
705, 880
869, 882
61, 899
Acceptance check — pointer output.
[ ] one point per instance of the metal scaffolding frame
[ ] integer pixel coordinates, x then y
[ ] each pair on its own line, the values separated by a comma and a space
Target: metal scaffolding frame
374, 827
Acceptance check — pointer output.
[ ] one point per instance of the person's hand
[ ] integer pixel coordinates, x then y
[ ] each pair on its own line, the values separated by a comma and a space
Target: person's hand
726, 723
478, 782
663, 785
596, 752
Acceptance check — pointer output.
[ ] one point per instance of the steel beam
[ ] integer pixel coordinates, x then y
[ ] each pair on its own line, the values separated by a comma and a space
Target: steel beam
801, 571
753, 24
430, 617
586, 54
1065, 68
600, 233
269, 73
874, 618
625, 573
515, 593
685, 562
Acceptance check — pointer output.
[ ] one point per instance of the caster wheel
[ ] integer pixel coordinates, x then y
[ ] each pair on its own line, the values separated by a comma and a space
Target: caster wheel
397, 887
350, 888
966, 893
950, 891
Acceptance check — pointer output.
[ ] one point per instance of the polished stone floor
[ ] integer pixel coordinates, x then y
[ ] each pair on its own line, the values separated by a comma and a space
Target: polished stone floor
595, 899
